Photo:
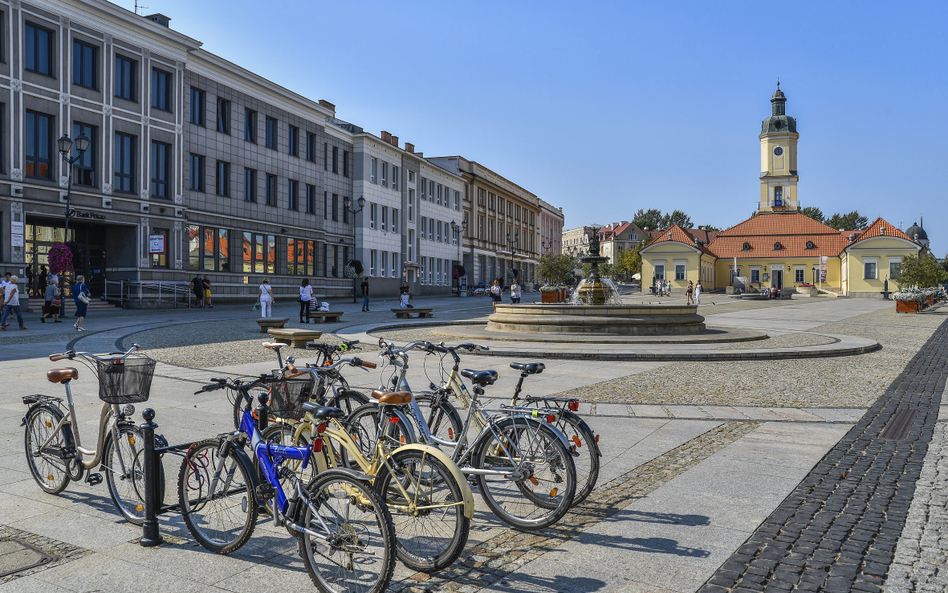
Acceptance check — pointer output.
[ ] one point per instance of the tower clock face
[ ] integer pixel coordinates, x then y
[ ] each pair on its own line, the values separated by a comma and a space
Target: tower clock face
778, 151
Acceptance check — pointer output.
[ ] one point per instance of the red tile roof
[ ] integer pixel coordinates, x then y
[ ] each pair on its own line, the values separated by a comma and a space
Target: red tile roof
679, 235
875, 230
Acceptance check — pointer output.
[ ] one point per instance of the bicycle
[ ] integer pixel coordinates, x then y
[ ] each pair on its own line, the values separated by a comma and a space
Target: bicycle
522, 465
345, 533
54, 451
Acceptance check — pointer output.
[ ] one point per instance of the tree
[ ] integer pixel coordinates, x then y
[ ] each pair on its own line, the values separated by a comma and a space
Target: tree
709, 227
814, 213
628, 263
677, 217
848, 222
555, 268
922, 271
648, 219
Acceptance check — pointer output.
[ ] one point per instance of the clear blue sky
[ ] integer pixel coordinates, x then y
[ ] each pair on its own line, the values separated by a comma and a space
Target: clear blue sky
606, 107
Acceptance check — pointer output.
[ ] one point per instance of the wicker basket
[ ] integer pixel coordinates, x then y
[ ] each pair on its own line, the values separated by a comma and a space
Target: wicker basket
287, 396
125, 381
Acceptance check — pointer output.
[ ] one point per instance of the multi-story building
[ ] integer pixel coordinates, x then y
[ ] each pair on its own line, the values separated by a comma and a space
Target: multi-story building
574, 242
550, 228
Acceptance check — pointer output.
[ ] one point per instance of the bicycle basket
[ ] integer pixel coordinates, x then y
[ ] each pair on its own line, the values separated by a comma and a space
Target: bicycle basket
287, 396
125, 381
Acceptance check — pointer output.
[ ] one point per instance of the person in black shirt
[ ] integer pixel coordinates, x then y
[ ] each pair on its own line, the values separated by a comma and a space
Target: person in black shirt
404, 296
365, 294
197, 289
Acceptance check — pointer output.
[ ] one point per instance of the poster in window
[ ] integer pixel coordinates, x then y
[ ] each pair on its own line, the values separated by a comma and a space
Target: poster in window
156, 244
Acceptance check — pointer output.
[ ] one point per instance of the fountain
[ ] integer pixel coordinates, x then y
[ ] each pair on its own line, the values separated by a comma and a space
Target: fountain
594, 290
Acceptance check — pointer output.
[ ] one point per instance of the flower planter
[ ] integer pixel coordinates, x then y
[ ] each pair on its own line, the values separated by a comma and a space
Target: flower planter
906, 307
550, 296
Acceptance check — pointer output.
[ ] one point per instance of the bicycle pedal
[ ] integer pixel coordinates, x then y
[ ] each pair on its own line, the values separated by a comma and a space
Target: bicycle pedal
94, 479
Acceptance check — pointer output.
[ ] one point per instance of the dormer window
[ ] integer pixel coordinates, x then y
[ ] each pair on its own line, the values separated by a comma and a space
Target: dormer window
746, 246
778, 246
810, 245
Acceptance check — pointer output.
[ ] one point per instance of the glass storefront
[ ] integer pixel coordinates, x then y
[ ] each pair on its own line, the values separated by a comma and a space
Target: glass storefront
43, 234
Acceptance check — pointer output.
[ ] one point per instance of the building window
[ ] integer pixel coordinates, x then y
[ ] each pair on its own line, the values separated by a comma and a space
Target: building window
223, 116
335, 207
310, 147
439, 231
869, 268
160, 169
293, 194
250, 125
383, 266
161, 87
300, 257
208, 249
384, 174
755, 276
373, 257
39, 145
394, 177
799, 275
160, 260
373, 215
124, 178
84, 171
197, 172
423, 228
411, 205
85, 65
457, 201
411, 245
310, 199
39, 49
223, 178
325, 205
271, 194
431, 227
394, 220
384, 218
895, 268
424, 188
250, 185
335, 159
125, 78
659, 271
374, 170
259, 253
439, 194
272, 133
293, 138
197, 106
778, 196
394, 263
345, 163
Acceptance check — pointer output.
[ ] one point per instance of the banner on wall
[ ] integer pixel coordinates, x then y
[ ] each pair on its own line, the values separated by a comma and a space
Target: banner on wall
156, 243
824, 261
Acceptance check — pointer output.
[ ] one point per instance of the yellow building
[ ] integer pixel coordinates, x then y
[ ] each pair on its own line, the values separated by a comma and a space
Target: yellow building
779, 246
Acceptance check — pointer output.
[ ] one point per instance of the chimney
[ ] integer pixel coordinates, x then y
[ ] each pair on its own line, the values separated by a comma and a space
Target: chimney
395, 141
160, 19
328, 105
386, 137
409, 147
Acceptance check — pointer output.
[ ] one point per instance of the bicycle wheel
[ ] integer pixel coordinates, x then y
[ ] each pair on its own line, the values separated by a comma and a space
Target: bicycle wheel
430, 525
587, 463
216, 497
347, 399
538, 479
47, 466
363, 427
125, 472
354, 550
441, 416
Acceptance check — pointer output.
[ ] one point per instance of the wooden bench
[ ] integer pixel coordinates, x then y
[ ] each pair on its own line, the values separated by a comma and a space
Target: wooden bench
294, 337
407, 313
324, 316
266, 323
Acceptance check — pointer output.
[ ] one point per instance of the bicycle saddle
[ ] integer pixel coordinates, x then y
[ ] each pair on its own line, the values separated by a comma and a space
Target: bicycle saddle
530, 368
480, 378
322, 412
391, 398
61, 375
273, 345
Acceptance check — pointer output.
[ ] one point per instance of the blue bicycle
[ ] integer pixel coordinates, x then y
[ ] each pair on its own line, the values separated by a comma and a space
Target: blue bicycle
346, 536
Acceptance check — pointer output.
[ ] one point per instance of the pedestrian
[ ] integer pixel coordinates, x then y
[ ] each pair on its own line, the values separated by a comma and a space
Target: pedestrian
698, 293
43, 278
197, 289
496, 292
691, 292
668, 288
306, 295
404, 296
365, 294
30, 287
265, 297
52, 303
206, 290
11, 303
80, 293
515, 292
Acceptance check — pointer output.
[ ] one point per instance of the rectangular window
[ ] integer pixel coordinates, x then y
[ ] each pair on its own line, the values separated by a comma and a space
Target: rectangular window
869, 270
439, 194
196, 181
223, 116
335, 207
326, 205
250, 125
194, 237
394, 220
223, 178
394, 263
345, 163
895, 268
85, 65
799, 275
160, 169
373, 257
250, 185
439, 231
272, 133
659, 271
325, 156
84, 171
374, 170
431, 191
424, 188
271, 194
197, 106
39, 49
124, 157
335, 159
373, 215
310, 199
223, 245
293, 138
431, 227
162, 85
411, 205
383, 267
293, 194
411, 245
394, 177
125, 78
384, 174
423, 227
345, 212
457, 201
209, 247
310, 147
39, 145
384, 218
755, 275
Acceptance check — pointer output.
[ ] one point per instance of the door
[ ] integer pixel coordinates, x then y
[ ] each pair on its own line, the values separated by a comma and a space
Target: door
777, 276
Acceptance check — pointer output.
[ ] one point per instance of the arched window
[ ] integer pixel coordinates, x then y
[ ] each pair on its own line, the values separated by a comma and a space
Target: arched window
778, 195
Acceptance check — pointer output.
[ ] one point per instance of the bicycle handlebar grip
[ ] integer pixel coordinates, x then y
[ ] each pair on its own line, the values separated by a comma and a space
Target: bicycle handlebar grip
55, 357
365, 363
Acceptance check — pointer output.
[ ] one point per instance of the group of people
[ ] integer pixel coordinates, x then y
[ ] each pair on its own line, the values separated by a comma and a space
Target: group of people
694, 292
497, 292
265, 297
201, 289
52, 299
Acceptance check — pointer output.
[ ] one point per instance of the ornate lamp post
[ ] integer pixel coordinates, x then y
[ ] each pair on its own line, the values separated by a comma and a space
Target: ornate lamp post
347, 204
459, 230
66, 145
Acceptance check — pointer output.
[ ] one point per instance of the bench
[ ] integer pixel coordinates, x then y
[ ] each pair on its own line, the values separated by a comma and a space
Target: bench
324, 316
266, 323
407, 313
294, 337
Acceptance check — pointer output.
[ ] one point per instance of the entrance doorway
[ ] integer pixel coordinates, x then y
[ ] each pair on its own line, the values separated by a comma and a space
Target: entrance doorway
777, 276
42, 234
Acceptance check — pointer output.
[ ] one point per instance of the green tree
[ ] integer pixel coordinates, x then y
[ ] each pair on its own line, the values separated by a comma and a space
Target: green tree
677, 217
814, 213
607, 270
555, 268
922, 271
709, 228
648, 219
628, 263
852, 221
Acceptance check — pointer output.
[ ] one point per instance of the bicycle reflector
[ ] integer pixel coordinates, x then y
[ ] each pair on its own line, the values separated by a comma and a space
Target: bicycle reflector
321, 428
551, 418
573, 405
393, 419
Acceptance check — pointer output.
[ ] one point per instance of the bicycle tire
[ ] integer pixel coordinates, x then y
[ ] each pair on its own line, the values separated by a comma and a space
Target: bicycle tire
423, 542
443, 420
587, 464
359, 523
347, 400
128, 491
52, 476
553, 470
237, 501
363, 427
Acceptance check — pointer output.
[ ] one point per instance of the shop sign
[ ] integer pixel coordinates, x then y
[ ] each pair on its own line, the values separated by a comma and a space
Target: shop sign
156, 243
16, 233
90, 215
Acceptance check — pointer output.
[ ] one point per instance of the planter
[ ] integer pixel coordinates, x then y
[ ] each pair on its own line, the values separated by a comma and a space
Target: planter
550, 296
906, 307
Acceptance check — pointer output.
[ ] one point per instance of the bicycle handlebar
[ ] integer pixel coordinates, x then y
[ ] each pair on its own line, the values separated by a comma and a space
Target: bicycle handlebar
71, 354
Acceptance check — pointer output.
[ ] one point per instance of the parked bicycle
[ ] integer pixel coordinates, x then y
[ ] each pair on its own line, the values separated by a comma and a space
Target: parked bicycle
345, 532
54, 451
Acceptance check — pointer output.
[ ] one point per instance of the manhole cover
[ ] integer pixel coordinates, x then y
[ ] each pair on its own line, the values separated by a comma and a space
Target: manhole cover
17, 555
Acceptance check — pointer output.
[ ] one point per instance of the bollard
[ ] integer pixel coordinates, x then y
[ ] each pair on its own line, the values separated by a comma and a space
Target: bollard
150, 535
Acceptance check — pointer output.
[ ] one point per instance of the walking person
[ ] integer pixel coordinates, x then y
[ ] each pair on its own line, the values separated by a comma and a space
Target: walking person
80, 293
206, 290
11, 303
515, 292
43, 278
404, 296
265, 297
52, 303
306, 295
691, 293
698, 293
496, 292
197, 289
365, 294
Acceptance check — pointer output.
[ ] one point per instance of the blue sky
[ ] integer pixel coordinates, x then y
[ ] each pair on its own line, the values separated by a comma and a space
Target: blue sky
607, 107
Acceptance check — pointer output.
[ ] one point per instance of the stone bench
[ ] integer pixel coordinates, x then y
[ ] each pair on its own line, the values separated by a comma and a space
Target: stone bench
294, 337
420, 312
324, 316
266, 323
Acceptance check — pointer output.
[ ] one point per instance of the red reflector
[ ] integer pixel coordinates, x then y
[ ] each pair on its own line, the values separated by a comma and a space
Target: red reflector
393, 419
597, 438
551, 418
321, 429
572, 448
573, 405
318, 445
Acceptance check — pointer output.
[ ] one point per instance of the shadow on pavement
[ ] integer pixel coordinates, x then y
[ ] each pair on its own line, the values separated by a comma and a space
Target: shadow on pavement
557, 584
666, 518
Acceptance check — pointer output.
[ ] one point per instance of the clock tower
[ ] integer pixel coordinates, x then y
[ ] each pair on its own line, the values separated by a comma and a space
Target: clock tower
778, 158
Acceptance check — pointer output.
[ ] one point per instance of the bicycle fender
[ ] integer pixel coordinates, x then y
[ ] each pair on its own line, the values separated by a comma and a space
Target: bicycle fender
406, 423
485, 434
56, 412
244, 460
582, 423
452, 467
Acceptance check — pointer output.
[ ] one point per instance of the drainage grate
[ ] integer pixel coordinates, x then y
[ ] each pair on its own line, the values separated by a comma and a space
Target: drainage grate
16, 556
899, 425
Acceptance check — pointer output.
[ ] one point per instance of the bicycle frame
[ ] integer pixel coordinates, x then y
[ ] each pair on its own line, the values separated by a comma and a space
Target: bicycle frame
106, 415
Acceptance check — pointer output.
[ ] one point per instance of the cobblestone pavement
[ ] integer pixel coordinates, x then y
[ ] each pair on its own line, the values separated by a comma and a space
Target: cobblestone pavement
838, 530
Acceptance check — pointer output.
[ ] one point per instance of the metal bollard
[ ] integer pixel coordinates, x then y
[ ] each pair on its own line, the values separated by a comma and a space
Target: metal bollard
150, 535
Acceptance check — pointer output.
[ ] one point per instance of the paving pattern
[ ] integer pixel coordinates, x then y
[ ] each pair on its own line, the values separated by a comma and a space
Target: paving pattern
839, 528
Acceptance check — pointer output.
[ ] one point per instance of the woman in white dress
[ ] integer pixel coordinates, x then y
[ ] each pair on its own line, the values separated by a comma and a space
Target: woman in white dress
265, 296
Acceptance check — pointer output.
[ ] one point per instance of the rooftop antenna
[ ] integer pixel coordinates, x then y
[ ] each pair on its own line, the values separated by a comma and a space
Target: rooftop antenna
140, 9
778, 79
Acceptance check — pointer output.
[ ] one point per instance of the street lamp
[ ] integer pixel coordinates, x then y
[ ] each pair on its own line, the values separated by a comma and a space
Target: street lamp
65, 145
347, 204
459, 230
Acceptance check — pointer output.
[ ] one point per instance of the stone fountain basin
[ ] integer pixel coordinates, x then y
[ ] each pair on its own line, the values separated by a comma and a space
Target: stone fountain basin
617, 320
